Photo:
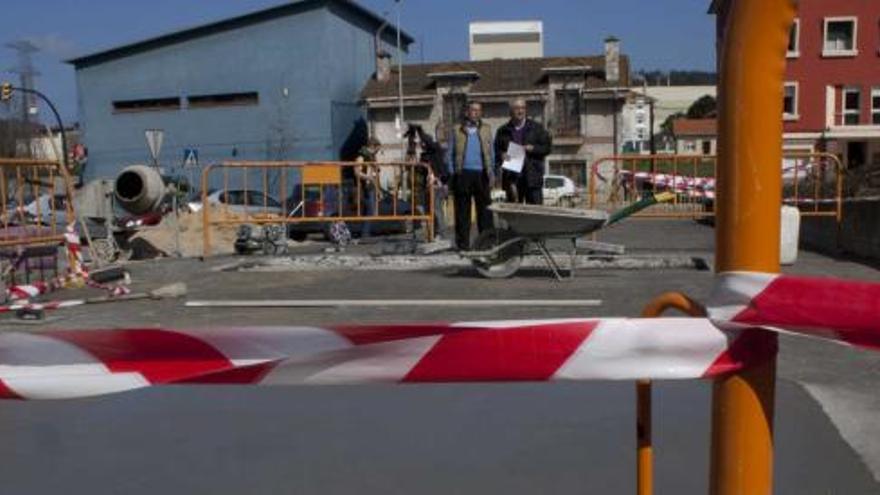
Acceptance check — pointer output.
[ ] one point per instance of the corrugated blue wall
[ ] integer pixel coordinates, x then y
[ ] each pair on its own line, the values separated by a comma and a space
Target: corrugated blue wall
321, 57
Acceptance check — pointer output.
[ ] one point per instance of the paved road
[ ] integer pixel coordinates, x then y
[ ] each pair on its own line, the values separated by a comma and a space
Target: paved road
560, 438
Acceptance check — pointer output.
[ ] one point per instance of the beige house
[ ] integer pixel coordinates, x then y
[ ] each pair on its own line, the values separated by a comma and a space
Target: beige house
695, 137
579, 99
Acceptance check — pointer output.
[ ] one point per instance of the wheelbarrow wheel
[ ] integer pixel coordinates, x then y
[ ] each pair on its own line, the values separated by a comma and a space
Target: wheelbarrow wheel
504, 263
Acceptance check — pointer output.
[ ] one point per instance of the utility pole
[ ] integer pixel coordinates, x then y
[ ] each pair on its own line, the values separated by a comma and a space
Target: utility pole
401, 117
26, 75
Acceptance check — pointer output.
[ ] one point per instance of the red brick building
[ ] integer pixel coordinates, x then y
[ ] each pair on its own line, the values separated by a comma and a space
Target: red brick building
832, 88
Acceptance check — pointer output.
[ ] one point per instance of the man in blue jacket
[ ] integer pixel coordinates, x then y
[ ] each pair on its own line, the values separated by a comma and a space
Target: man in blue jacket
472, 164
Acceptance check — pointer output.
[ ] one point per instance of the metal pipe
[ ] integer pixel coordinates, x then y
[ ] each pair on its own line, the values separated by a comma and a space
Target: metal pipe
752, 67
644, 442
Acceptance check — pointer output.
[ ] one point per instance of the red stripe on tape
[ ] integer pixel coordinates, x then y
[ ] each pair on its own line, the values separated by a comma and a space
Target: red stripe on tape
851, 309
364, 335
751, 347
244, 375
7, 393
161, 356
532, 353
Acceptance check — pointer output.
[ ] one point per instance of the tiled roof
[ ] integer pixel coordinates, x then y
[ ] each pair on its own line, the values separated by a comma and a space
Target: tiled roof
695, 127
497, 75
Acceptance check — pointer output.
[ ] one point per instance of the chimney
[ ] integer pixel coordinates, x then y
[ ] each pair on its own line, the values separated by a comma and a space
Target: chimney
612, 60
383, 66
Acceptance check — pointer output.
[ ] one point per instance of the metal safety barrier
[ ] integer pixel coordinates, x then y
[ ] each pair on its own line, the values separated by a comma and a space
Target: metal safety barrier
615, 181
36, 206
813, 182
307, 197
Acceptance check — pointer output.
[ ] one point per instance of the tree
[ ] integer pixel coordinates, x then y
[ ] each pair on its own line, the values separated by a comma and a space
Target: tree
705, 107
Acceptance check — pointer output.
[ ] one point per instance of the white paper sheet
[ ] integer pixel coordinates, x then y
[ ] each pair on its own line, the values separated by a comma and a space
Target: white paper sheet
516, 156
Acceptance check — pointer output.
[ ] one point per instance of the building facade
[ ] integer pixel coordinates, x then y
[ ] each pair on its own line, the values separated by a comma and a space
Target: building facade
695, 137
281, 83
511, 39
648, 110
579, 99
832, 90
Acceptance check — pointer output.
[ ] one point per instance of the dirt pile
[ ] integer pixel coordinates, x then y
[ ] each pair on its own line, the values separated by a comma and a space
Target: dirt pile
161, 238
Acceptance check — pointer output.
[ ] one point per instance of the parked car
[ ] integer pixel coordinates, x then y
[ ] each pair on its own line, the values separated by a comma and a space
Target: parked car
559, 190
242, 202
42, 210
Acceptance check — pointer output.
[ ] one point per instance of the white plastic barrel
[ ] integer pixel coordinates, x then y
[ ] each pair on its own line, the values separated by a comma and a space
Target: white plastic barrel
791, 227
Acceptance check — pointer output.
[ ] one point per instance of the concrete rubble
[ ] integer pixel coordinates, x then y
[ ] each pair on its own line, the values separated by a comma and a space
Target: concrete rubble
324, 262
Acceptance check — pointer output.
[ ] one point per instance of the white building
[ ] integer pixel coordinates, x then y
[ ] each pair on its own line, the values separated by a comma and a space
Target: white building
509, 39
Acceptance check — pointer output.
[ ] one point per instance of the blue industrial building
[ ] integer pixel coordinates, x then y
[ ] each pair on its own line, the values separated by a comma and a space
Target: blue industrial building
281, 83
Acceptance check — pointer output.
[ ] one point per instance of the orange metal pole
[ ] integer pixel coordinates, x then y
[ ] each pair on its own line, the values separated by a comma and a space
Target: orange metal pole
645, 452
645, 447
752, 67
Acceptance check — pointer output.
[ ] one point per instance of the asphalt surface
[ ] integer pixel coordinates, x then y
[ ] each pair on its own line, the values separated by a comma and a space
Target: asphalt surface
517, 438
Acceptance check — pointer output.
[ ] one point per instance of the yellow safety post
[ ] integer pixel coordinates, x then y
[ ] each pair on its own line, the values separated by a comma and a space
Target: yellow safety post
645, 447
752, 68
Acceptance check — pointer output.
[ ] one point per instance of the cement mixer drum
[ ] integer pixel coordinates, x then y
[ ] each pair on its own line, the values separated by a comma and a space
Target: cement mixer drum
139, 189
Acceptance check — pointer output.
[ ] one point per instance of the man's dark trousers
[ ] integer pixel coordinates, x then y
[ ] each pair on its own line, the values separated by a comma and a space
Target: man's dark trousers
471, 185
529, 195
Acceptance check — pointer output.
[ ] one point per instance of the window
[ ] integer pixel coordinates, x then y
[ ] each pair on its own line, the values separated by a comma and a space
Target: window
840, 37
553, 183
875, 106
690, 146
147, 105
790, 101
257, 198
707, 147
224, 100
852, 106
794, 39
568, 113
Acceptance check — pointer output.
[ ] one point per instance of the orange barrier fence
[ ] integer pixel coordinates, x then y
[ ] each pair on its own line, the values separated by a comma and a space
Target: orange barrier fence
307, 198
36, 205
813, 182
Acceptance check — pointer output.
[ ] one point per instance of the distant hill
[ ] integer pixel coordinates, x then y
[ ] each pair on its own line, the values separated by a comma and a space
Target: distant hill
677, 77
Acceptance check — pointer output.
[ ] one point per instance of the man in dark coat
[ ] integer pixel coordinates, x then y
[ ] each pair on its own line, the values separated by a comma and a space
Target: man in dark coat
527, 186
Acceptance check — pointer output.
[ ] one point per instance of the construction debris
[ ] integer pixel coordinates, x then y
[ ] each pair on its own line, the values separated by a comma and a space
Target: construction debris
447, 261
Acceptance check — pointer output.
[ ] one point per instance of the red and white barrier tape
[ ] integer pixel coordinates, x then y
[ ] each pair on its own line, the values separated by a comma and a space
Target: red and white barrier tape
77, 276
58, 365
844, 311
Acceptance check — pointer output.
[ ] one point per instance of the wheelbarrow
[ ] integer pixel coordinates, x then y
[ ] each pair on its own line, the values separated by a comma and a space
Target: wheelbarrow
498, 253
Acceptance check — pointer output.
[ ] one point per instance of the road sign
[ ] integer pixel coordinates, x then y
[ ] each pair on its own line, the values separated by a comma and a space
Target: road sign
190, 158
154, 142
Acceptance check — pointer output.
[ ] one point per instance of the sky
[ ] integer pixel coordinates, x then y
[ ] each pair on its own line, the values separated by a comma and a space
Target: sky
656, 34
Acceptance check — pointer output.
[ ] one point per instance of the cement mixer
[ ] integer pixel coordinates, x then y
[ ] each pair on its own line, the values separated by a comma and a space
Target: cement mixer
139, 189
117, 209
